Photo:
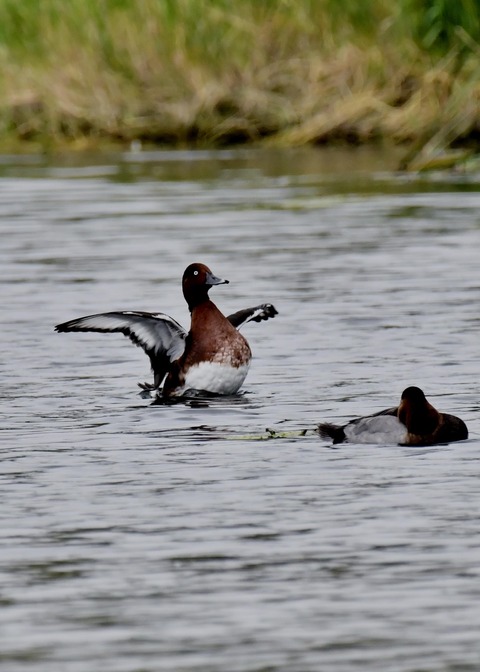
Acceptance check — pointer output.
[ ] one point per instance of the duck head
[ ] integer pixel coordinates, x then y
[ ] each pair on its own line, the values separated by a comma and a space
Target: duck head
197, 280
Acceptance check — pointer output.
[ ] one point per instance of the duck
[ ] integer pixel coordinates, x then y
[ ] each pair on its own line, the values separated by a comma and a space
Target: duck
213, 357
414, 422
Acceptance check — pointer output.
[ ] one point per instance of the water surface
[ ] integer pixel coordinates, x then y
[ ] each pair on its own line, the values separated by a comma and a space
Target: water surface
140, 538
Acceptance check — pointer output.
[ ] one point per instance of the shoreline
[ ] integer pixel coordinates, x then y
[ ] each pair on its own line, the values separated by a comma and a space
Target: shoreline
201, 74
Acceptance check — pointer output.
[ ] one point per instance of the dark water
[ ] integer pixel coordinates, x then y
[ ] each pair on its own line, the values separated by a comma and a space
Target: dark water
139, 538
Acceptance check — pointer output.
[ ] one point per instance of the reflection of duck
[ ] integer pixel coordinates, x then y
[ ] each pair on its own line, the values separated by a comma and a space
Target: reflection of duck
414, 422
212, 357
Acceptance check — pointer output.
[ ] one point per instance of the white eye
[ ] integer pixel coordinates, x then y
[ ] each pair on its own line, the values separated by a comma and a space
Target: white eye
195, 272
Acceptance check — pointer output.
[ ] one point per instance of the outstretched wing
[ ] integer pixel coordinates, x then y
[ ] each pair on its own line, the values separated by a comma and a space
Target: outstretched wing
256, 314
159, 335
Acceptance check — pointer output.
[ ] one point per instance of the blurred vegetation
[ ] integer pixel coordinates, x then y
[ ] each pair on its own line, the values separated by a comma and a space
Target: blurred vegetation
437, 24
216, 71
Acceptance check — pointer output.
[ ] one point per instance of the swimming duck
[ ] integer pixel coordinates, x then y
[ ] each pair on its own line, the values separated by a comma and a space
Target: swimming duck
414, 422
212, 357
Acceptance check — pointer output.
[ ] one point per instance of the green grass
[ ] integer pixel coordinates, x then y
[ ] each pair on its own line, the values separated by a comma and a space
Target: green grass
215, 71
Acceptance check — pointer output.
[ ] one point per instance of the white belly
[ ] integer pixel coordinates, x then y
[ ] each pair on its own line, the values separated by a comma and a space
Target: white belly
215, 378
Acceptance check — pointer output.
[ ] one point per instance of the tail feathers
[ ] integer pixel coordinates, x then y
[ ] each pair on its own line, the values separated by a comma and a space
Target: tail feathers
329, 431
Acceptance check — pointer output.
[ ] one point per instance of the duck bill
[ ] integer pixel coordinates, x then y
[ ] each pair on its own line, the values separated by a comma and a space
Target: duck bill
213, 280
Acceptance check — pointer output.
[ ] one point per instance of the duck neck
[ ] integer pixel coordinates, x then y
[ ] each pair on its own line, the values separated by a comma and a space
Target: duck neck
195, 299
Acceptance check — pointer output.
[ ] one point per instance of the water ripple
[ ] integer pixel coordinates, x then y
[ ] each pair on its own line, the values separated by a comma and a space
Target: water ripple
180, 536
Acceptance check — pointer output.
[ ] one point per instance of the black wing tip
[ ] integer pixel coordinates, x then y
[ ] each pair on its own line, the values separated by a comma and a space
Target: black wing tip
72, 326
268, 311
329, 431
